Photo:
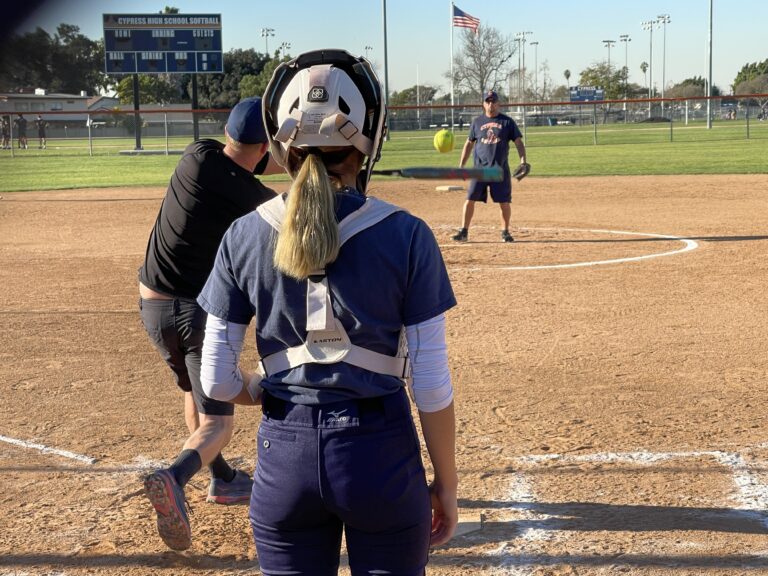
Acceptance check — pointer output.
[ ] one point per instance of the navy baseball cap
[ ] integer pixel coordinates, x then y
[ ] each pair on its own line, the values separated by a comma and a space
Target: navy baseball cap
246, 123
491, 96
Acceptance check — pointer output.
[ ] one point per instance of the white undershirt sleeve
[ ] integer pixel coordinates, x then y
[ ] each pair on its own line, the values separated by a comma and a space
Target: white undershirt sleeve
219, 374
432, 388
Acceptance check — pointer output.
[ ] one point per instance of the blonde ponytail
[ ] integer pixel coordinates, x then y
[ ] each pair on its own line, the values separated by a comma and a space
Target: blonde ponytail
309, 235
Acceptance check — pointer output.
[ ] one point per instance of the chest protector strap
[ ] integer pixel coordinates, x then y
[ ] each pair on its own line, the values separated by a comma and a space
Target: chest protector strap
327, 342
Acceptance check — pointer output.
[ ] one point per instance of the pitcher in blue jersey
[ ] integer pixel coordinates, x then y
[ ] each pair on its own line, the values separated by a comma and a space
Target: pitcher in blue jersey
489, 138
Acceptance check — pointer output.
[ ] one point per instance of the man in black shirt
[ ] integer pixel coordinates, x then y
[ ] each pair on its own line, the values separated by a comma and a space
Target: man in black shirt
212, 185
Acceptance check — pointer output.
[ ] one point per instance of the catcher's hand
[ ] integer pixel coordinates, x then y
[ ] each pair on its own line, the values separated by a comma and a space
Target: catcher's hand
521, 171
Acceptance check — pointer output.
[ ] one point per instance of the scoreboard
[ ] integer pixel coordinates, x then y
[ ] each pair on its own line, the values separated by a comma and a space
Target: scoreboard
163, 43
586, 94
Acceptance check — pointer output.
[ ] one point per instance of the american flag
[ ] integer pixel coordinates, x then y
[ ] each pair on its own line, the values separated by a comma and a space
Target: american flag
463, 20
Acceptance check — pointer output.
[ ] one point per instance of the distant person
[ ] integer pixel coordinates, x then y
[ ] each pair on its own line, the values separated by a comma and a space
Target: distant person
212, 185
41, 126
21, 130
5, 127
489, 137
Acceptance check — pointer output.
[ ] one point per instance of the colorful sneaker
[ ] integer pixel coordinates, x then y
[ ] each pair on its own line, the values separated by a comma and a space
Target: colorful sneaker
506, 236
461, 236
167, 497
236, 491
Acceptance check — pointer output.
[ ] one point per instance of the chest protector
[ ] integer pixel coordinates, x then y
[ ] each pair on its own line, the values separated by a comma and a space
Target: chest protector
327, 342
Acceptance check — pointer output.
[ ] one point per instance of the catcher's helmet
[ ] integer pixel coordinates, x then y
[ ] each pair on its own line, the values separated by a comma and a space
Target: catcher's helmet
325, 98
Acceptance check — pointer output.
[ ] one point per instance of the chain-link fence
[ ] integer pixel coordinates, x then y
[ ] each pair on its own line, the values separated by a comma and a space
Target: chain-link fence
606, 122
169, 131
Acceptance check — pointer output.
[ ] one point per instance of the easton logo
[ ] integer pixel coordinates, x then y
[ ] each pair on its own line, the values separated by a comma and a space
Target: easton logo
318, 94
328, 340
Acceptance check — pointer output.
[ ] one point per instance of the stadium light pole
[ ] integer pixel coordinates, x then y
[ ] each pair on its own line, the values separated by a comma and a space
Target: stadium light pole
709, 77
663, 20
608, 44
535, 45
367, 49
284, 47
626, 40
521, 39
648, 25
266, 33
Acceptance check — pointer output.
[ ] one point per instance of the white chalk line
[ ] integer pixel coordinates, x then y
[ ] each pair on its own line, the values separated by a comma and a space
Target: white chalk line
48, 450
752, 493
688, 246
141, 463
752, 496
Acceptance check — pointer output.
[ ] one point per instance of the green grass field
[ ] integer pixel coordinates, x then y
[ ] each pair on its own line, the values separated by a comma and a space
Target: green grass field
622, 149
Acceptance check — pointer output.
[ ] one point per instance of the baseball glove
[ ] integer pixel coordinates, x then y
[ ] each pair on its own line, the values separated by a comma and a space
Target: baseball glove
521, 171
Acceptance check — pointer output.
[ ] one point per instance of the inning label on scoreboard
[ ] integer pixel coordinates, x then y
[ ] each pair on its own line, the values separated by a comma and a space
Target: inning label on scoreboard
163, 43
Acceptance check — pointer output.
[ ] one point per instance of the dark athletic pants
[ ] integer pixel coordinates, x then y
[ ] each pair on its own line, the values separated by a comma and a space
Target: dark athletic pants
352, 465
177, 329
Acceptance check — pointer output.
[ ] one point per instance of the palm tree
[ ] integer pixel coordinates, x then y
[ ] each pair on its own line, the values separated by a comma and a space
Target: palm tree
644, 68
567, 75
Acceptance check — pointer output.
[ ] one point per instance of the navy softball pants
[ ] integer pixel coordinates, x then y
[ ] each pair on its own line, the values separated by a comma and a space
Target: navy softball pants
352, 466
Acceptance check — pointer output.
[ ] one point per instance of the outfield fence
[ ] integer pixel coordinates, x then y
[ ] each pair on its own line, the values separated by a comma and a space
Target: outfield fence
605, 122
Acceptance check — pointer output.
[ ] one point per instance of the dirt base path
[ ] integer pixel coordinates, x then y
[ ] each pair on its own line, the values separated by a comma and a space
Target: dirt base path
610, 372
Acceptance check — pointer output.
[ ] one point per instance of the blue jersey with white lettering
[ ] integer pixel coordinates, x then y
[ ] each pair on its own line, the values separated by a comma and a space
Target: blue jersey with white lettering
387, 276
492, 137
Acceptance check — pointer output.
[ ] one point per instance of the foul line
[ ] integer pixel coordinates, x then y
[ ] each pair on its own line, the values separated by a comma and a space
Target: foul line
753, 494
689, 245
47, 450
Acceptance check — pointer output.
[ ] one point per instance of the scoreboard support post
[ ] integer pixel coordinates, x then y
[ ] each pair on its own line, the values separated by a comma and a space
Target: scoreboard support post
136, 115
195, 122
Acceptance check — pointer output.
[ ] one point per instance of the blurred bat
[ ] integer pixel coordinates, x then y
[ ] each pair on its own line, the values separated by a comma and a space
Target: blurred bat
490, 174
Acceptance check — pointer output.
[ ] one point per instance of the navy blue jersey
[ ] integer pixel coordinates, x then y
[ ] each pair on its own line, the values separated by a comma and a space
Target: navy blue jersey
492, 137
387, 276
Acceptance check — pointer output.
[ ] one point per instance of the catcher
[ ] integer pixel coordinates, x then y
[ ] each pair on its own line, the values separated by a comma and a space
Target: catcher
489, 137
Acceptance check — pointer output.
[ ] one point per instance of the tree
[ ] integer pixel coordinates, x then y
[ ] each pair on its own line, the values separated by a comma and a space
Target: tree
66, 62
644, 68
561, 93
750, 72
77, 62
690, 88
407, 97
25, 62
256, 84
756, 85
223, 90
483, 62
153, 89
608, 78
567, 75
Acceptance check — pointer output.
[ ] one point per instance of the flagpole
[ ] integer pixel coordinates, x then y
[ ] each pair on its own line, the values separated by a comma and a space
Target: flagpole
451, 23
386, 67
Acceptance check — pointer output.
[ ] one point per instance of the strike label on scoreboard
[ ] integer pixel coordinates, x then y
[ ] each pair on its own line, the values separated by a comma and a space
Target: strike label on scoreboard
163, 43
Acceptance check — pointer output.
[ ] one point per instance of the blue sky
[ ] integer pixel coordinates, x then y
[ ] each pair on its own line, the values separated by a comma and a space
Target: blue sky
570, 33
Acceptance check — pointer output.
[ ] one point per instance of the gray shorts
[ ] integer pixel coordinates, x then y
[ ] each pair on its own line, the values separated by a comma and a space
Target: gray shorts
177, 329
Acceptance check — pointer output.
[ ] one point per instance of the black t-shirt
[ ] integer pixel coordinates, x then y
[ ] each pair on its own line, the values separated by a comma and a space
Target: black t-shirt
21, 124
207, 192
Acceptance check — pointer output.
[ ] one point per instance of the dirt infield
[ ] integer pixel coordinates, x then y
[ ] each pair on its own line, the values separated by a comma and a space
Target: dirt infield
610, 371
